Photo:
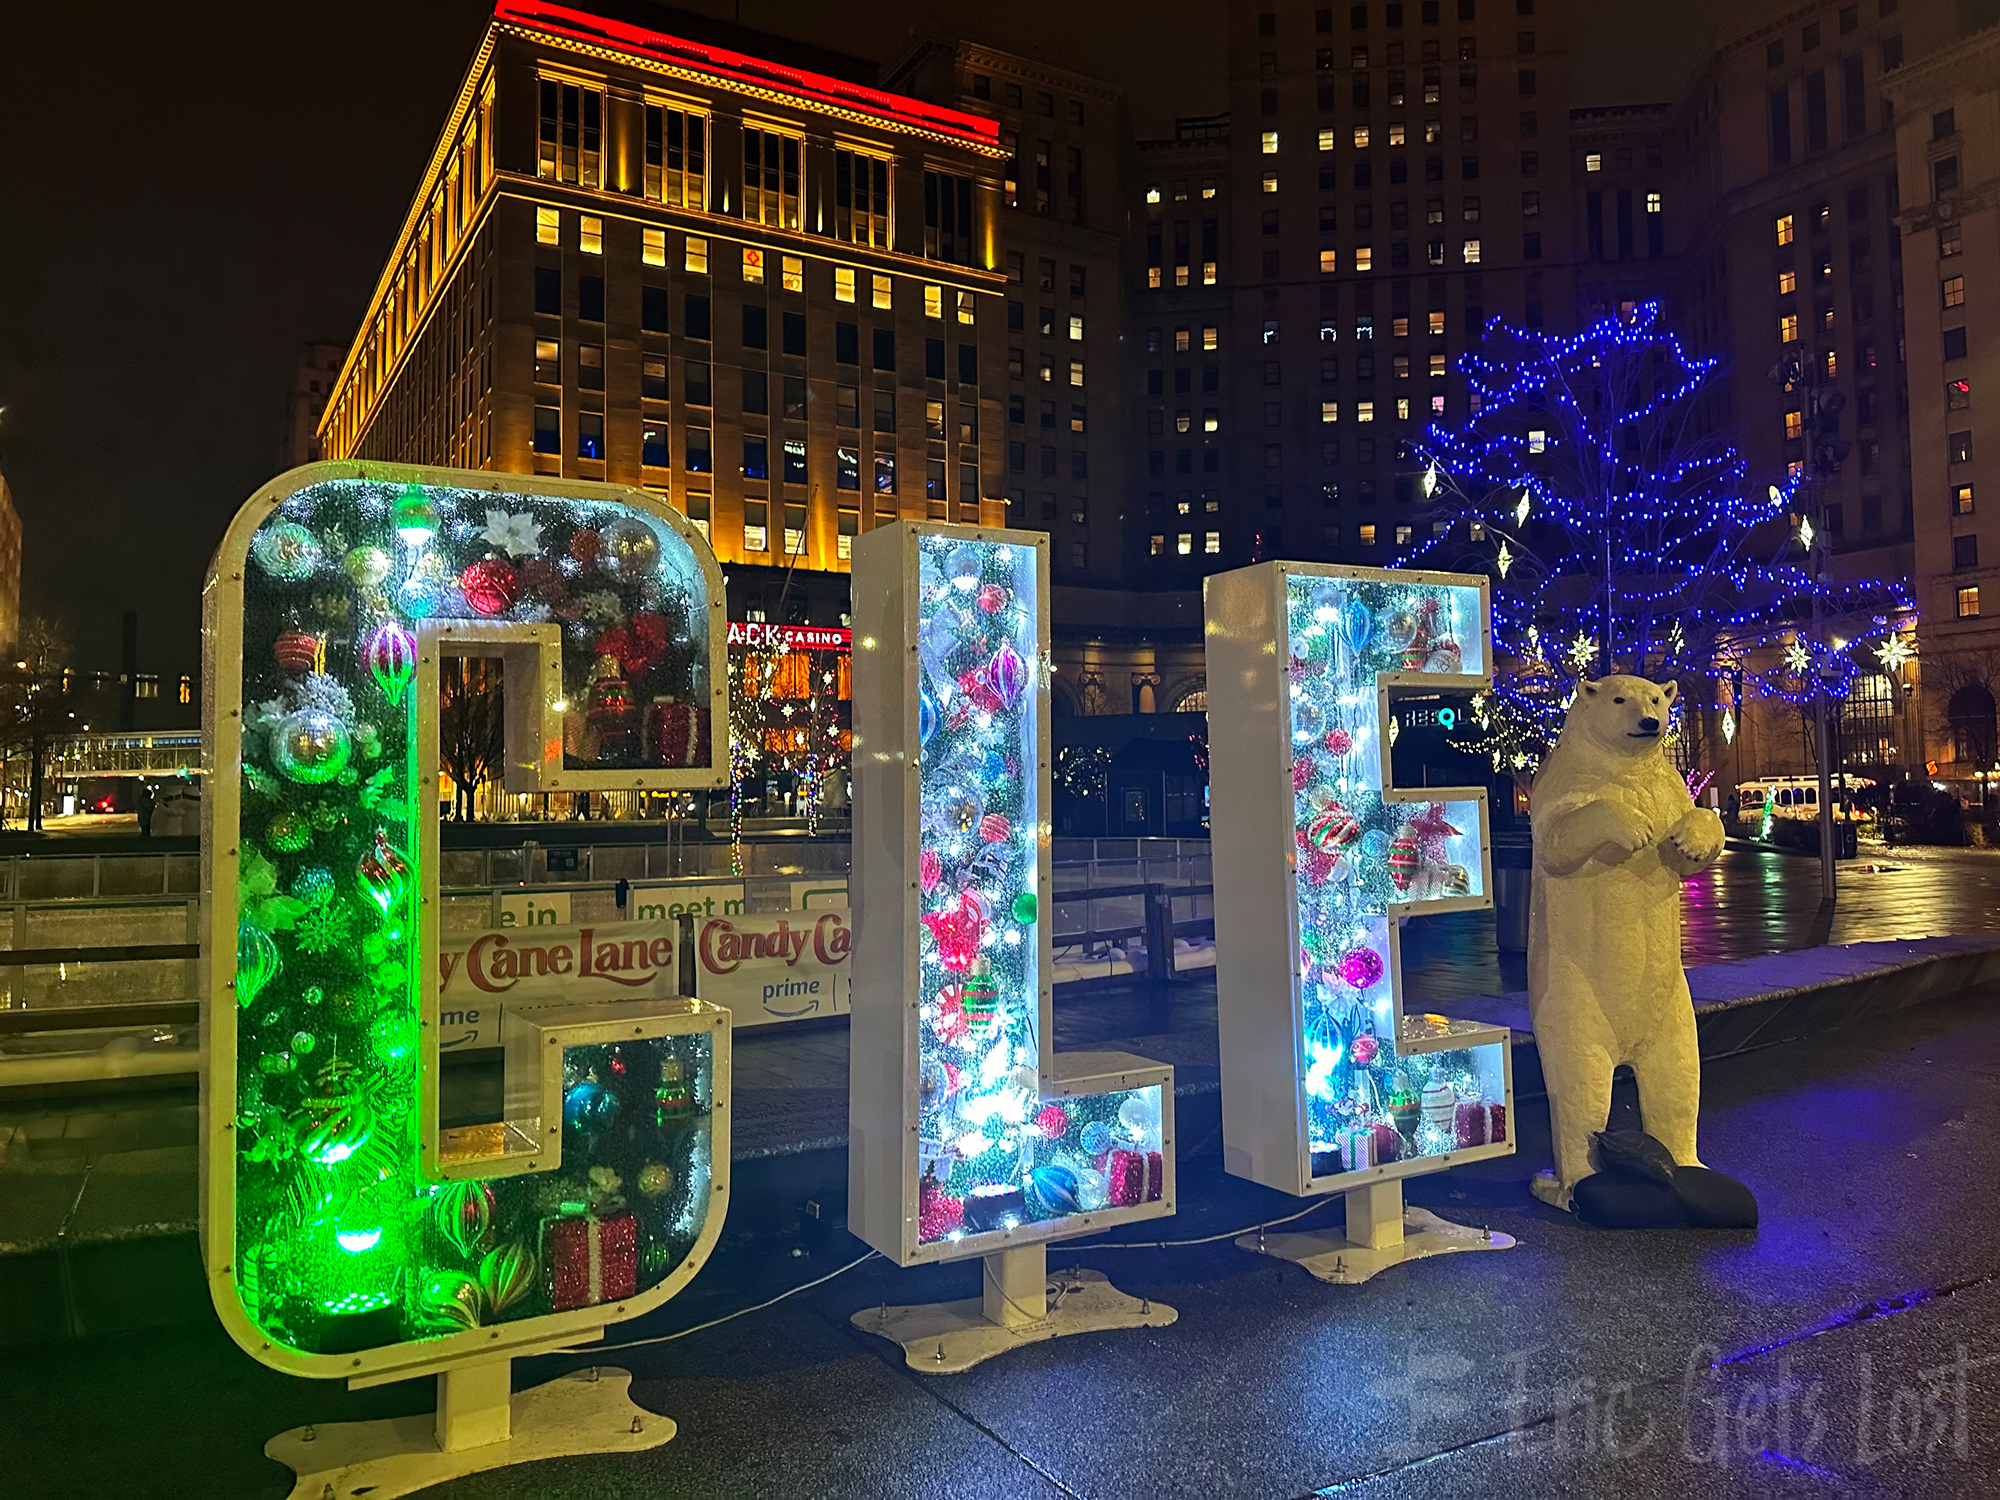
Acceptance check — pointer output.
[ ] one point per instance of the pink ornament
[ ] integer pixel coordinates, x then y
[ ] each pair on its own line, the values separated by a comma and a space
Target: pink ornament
491, 586
1317, 865
1053, 1121
930, 870
1339, 741
1363, 1050
1007, 675
992, 598
1496, 1116
1302, 773
938, 1213
957, 930
994, 829
1361, 968
391, 658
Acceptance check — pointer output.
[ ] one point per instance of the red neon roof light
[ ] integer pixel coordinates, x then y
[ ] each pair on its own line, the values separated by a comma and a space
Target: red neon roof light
561, 20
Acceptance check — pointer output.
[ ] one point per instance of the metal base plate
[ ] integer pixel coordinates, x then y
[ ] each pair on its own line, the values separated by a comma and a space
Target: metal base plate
587, 1411
946, 1338
1332, 1258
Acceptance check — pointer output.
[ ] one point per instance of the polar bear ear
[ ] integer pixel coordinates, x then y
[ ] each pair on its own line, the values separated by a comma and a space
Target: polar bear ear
1590, 690
1670, 691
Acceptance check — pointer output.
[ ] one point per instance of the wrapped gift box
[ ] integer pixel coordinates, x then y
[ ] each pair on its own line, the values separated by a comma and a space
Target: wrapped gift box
591, 1259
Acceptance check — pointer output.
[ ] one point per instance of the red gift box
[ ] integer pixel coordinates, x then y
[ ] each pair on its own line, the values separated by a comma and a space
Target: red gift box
591, 1260
1388, 1144
1497, 1132
1471, 1123
1125, 1179
1156, 1176
676, 733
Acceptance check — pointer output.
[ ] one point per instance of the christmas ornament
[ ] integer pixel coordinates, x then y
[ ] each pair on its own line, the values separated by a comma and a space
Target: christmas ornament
927, 716
288, 833
1361, 968
962, 810
1374, 846
676, 733
257, 962
1007, 676
1388, 1144
583, 547
1399, 629
313, 885
930, 870
938, 642
1357, 626
962, 566
1404, 858
310, 745
336, 1120
297, 652
655, 1179
1339, 741
589, 1107
1052, 1191
491, 586
1405, 1106
383, 873
957, 930
286, 551
506, 1276
1333, 830
1095, 1138
450, 1302
938, 1213
1439, 1103
1364, 1048
673, 1096
462, 1213
366, 567
1445, 656
1023, 909
1053, 1121
1415, 655
994, 829
513, 533
391, 658
303, 1042
1139, 1117
980, 997
1470, 1123
1317, 864
628, 549
1302, 772
992, 598
414, 516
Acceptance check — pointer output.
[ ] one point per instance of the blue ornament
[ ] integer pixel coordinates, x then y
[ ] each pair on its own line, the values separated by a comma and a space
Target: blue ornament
1052, 1192
995, 766
1096, 1138
1357, 625
1374, 845
927, 716
590, 1107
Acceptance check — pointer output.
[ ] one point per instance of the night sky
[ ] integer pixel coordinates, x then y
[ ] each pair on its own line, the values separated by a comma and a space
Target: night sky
189, 193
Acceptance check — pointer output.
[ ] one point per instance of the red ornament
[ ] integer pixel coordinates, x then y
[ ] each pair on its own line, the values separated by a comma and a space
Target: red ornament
636, 645
1053, 1121
1339, 741
297, 652
1430, 829
957, 930
1471, 1123
1404, 858
992, 598
1333, 830
1302, 774
1317, 865
1415, 655
591, 1260
930, 870
938, 1213
583, 546
976, 688
491, 586
1364, 1049
993, 828
950, 1023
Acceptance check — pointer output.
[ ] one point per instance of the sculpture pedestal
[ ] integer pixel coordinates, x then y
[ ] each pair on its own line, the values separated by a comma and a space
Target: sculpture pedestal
480, 1424
1019, 1303
1381, 1232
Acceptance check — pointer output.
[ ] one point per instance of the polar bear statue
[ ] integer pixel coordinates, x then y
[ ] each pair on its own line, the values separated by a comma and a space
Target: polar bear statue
1615, 835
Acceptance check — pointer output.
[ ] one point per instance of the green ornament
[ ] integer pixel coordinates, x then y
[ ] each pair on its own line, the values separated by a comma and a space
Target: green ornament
1024, 908
303, 1042
289, 833
257, 962
313, 885
415, 516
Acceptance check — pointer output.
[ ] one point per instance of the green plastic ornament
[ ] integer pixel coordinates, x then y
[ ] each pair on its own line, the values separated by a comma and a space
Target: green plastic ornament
303, 1042
383, 873
463, 1214
450, 1302
257, 962
506, 1276
415, 516
366, 566
289, 833
1025, 908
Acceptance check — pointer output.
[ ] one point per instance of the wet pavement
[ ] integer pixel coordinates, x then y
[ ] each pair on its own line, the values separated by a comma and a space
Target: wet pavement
1850, 1346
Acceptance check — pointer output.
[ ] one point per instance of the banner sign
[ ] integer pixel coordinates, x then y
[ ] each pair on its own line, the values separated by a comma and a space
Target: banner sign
480, 972
781, 967
757, 633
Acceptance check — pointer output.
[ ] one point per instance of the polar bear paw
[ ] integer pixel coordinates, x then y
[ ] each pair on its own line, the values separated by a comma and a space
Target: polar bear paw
1697, 838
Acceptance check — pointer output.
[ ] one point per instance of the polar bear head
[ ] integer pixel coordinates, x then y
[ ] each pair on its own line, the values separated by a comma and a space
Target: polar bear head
1620, 716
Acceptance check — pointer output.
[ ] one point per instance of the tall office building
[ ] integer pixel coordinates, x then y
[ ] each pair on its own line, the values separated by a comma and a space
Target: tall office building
312, 387
1400, 176
659, 251
1947, 110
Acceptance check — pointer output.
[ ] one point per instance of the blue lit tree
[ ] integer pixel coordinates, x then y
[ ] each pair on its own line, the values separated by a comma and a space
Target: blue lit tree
1595, 482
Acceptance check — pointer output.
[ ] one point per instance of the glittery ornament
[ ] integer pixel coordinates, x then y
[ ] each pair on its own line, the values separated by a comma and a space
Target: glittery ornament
1364, 1049
286, 551
992, 598
590, 1107
491, 586
938, 643
1470, 1123
930, 870
980, 996
1339, 741
655, 1179
383, 873
1316, 864
414, 516
1052, 1191
629, 549
297, 651
1361, 968
310, 745
462, 1213
1403, 860
391, 658
1053, 1121
994, 829
1308, 718
313, 885
1333, 830
366, 567
1023, 908
257, 961
1302, 772
507, 1276
962, 810
1007, 675
957, 930
1374, 846
591, 1259
938, 1213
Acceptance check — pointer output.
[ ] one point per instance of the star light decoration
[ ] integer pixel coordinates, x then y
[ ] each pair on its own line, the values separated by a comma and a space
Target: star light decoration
1649, 537
1894, 653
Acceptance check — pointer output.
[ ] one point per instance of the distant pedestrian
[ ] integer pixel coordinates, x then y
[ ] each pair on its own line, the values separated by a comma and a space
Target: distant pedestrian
145, 809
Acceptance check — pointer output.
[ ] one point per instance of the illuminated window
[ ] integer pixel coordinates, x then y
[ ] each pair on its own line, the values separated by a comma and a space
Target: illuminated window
548, 362
1208, 187
1182, 341
1326, 139
860, 199
1184, 543
1361, 137
187, 690
771, 178
1367, 531
1076, 372
676, 157
1153, 278
1398, 135
1270, 182
1211, 419
570, 140
1364, 411
965, 308
1329, 262
1832, 364
1211, 544
1437, 322
1471, 252
696, 258
1653, 203
548, 226
1437, 367
933, 301
1788, 328
1403, 408
1157, 544
653, 246
1968, 603
1538, 440
1183, 421
1076, 327
881, 291
1152, 192
1329, 411
1961, 500
1207, 273
1268, 143
756, 538
1437, 406
1795, 425
1211, 337
753, 266
1593, 162
590, 234
1401, 363
1954, 291
1784, 228
794, 272
843, 283
1364, 258
1788, 282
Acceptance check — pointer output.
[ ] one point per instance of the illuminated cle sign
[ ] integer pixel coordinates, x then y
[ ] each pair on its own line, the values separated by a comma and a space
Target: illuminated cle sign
757, 634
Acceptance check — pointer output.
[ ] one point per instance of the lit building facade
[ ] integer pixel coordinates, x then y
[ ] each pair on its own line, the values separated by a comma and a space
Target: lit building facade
753, 283
312, 388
